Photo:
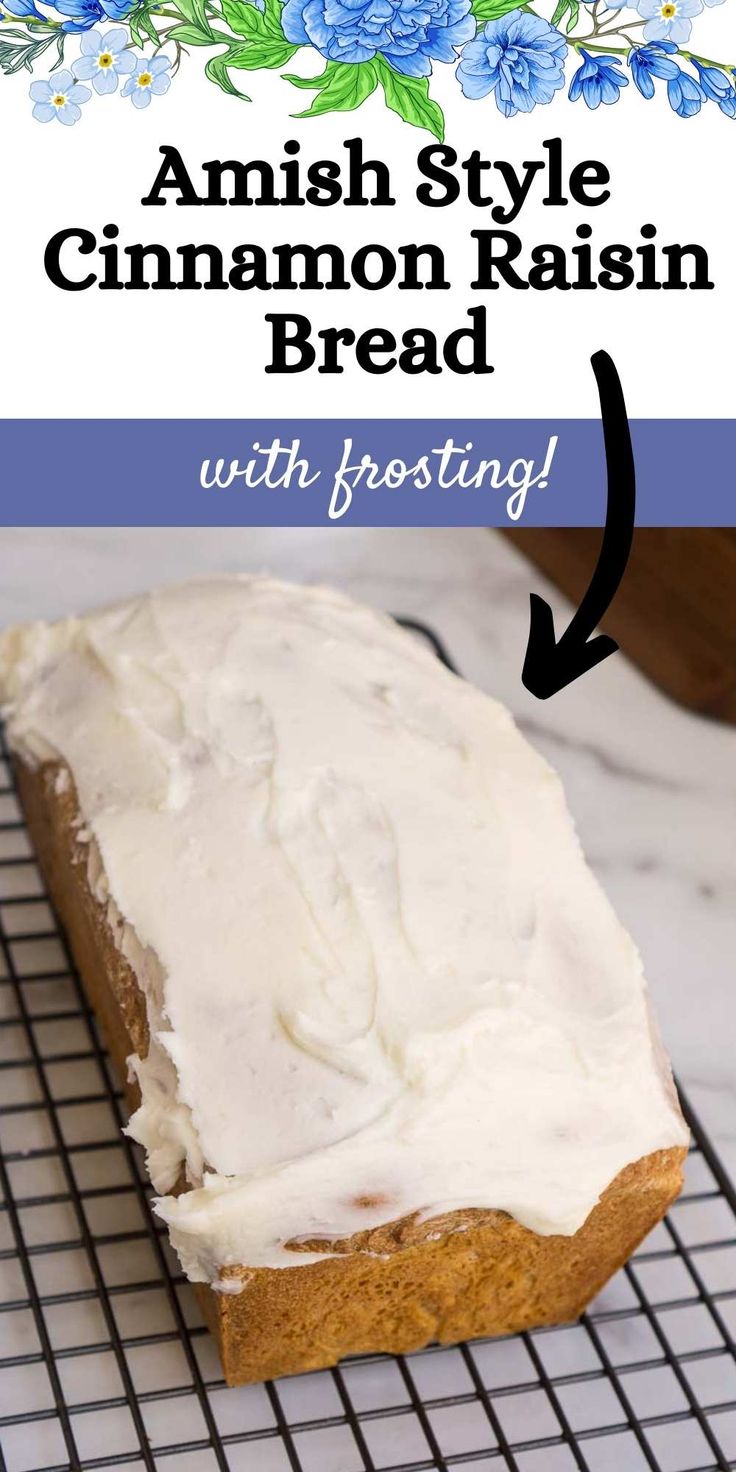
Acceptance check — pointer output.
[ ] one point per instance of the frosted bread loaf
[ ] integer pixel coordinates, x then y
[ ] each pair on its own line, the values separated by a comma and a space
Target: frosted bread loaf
389, 1050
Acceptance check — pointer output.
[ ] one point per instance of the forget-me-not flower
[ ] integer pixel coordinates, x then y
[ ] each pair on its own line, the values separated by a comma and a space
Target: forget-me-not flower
104, 59
148, 80
519, 57
60, 97
597, 80
668, 20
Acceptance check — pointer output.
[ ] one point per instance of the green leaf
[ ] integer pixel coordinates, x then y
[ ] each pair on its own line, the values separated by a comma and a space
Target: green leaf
190, 35
59, 53
341, 87
135, 30
150, 28
569, 8
142, 27
308, 82
409, 97
316, 84
272, 17
266, 44
194, 11
246, 20
19, 49
216, 70
493, 9
243, 18
267, 52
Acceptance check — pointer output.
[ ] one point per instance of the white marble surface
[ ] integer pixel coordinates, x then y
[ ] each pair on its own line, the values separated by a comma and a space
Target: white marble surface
652, 788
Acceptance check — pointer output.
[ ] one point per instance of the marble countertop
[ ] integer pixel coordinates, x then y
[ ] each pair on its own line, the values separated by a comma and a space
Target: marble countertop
651, 787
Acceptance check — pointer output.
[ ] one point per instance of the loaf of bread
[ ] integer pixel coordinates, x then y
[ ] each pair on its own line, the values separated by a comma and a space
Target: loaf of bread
388, 1050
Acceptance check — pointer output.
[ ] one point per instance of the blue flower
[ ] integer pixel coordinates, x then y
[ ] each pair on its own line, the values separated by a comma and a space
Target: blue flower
148, 80
85, 13
648, 62
668, 20
408, 34
597, 80
685, 95
519, 57
104, 59
117, 9
59, 98
23, 9
718, 87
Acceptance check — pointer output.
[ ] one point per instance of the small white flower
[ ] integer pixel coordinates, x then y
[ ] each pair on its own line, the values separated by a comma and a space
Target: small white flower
104, 59
60, 97
668, 20
149, 79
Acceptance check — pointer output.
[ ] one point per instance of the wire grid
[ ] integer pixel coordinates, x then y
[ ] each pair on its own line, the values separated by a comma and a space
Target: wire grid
106, 1363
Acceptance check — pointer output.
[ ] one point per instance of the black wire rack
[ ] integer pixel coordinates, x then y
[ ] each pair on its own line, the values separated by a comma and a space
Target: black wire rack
105, 1362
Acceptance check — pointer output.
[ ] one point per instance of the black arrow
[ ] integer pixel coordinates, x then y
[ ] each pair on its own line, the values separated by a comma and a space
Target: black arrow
549, 665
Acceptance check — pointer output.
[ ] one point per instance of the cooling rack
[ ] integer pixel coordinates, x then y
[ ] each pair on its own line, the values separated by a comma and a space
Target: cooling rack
105, 1362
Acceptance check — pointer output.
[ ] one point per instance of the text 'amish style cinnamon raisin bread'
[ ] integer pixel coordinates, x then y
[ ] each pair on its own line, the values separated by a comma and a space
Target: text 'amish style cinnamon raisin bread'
389, 1051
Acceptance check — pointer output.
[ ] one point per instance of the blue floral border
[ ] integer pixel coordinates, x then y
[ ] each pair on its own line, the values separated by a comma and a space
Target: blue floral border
498, 49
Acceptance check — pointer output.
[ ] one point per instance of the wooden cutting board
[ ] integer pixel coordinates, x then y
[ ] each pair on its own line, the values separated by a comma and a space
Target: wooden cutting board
675, 611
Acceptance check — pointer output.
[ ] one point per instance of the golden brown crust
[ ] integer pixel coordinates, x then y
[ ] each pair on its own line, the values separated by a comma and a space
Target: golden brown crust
52, 813
393, 1288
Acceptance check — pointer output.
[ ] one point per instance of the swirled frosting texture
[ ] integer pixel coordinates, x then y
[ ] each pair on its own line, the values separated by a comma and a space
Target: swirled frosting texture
379, 976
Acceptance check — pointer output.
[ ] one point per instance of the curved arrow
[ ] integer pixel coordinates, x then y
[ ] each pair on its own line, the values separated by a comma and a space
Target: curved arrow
550, 664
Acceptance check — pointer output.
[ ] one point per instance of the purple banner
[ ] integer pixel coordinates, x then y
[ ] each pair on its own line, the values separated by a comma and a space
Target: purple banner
365, 472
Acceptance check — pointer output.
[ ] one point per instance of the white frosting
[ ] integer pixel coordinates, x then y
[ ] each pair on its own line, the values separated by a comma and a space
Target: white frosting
379, 976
